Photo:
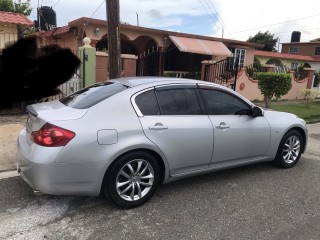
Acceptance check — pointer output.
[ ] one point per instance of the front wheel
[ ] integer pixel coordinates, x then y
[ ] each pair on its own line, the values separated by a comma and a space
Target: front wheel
289, 150
133, 179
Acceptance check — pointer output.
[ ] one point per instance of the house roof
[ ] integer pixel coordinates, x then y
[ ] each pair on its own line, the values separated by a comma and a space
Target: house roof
287, 56
55, 32
14, 18
315, 41
84, 20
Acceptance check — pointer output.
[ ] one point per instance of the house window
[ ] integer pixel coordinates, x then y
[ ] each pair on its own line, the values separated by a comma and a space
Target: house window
239, 54
294, 65
293, 50
317, 51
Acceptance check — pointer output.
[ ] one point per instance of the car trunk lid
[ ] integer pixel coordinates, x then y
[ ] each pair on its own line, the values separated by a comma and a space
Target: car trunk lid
41, 113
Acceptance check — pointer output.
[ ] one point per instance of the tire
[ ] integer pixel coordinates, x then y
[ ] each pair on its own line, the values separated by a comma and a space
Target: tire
289, 150
133, 179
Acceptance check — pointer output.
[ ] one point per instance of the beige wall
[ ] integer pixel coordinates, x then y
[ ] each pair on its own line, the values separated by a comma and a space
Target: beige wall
129, 63
251, 91
249, 59
69, 40
8, 34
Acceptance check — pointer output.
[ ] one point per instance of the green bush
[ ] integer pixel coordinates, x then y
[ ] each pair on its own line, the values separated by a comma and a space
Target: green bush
309, 95
273, 85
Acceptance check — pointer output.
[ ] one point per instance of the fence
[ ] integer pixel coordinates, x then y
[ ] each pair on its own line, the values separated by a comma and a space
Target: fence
223, 72
253, 69
67, 88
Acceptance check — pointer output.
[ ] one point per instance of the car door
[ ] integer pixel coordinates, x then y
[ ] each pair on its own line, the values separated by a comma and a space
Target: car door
238, 136
171, 118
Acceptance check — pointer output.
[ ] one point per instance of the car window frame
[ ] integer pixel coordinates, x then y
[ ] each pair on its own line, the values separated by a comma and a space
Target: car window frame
179, 87
220, 89
134, 104
168, 87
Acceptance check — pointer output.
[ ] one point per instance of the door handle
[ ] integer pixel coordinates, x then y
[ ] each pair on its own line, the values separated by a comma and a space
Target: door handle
223, 125
158, 126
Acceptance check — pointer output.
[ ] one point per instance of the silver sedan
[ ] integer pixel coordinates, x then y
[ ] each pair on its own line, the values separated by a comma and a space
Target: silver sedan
124, 137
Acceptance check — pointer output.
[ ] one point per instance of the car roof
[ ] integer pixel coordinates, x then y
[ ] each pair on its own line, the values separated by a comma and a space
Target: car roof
132, 82
136, 81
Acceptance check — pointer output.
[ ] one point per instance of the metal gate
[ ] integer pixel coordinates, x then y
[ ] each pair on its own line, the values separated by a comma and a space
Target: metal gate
223, 72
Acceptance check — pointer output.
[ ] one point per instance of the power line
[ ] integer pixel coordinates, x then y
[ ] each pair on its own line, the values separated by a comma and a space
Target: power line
213, 13
56, 3
300, 30
224, 26
217, 14
86, 23
209, 15
274, 24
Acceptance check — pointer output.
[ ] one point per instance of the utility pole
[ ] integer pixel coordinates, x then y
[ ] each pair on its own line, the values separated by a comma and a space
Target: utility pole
137, 19
114, 47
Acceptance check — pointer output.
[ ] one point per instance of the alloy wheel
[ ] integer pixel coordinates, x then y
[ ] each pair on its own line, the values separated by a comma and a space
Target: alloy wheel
134, 180
291, 149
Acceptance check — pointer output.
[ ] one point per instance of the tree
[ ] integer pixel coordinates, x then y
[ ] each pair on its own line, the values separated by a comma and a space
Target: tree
267, 39
273, 85
16, 6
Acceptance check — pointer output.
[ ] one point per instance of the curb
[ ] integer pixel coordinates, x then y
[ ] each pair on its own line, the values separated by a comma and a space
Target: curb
9, 174
313, 121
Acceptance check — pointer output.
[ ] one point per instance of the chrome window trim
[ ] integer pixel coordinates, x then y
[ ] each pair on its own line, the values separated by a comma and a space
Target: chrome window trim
158, 87
229, 91
133, 100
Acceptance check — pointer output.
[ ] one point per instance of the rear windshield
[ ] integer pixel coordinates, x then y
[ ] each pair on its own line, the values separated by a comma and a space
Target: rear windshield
90, 96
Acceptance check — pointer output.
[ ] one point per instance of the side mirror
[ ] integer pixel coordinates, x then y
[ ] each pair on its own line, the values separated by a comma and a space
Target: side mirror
257, 112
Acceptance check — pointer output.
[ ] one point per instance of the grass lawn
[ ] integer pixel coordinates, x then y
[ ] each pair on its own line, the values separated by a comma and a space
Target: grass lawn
312, 112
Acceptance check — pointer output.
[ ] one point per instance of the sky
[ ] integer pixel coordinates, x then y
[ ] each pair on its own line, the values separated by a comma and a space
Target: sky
231, 19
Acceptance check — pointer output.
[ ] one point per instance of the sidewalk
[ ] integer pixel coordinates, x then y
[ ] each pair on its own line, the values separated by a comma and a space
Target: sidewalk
11, 128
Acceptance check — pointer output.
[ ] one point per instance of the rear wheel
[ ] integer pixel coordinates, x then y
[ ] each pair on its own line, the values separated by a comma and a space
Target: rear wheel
289, 150
133, 179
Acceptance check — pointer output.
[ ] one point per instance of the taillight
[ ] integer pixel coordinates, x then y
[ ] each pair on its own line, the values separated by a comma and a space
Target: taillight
52, 136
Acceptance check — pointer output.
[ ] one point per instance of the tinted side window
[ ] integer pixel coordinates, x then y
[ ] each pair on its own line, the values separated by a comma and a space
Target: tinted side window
92, 95
222, 103
147, 103
178, 102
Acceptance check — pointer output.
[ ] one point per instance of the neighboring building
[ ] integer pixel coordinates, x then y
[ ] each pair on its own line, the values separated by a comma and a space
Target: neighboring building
157, 52
302, 48
311, 48
12, 26
290, 61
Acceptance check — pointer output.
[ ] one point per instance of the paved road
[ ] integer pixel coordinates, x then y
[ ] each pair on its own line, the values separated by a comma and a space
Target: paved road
254, 202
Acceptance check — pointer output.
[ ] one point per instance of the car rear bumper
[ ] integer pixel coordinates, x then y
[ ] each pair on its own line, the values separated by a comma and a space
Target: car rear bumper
39, 168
